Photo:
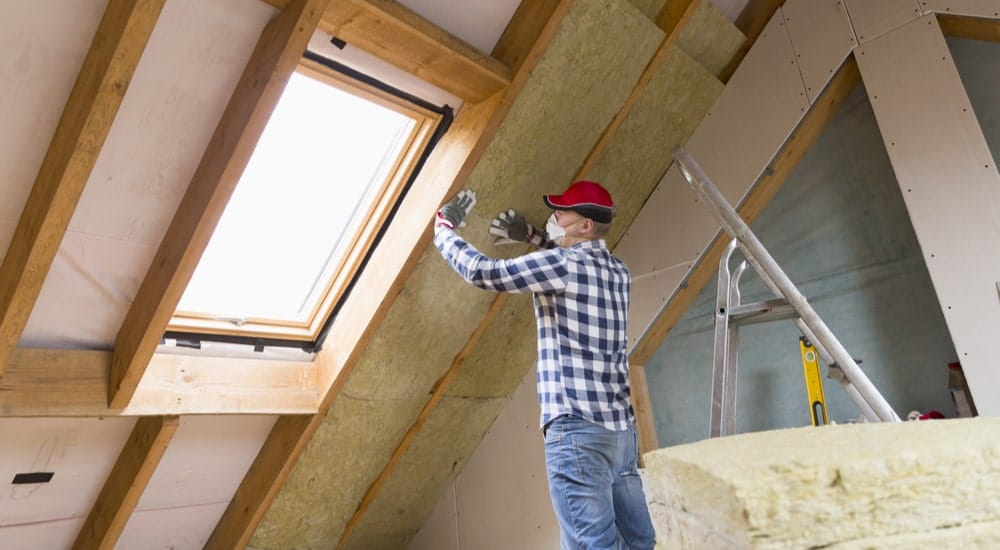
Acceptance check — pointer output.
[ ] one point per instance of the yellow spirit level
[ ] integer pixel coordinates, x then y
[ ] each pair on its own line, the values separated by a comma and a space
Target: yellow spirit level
814, 383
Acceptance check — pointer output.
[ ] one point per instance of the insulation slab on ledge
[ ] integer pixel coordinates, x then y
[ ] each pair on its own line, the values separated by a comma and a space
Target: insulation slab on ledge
888, 485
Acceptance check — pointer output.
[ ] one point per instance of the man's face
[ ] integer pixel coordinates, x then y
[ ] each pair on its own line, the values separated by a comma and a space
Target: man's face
570, 222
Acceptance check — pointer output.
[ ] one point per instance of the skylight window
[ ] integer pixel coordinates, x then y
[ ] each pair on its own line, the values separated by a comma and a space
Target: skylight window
331, 162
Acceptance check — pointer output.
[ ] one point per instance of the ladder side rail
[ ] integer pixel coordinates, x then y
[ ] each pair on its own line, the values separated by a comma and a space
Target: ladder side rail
729, 397
738, 229
863, 405
720, 354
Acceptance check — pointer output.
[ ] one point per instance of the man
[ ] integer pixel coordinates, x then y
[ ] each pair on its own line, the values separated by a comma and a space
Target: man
580, 294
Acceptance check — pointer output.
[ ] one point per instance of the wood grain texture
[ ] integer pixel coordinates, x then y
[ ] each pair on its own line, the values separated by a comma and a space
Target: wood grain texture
275, 57
83, 127
126, 483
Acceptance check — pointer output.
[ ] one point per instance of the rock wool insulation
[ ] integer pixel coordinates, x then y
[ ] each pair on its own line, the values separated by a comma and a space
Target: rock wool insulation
906, 485
580, 83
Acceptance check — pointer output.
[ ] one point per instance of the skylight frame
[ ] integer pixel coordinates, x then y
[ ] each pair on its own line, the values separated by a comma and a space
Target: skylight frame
360, 235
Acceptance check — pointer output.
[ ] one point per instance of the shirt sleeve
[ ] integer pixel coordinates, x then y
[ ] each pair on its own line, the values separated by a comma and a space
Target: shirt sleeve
541, 240
544, 271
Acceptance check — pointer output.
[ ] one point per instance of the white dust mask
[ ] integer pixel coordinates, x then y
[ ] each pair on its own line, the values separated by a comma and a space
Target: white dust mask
553, 229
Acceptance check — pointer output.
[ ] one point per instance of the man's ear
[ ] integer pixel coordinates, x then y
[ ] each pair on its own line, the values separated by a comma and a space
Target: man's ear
588, 226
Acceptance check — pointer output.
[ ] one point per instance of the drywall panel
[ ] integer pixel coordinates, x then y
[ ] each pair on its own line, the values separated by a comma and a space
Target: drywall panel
480, 25
872, 19
508, 467
950, 184
180, 528
57, 533
973, 8
80, 452
839, 228
591, 66
87, 292
182, 84
44, 44
822, 37
189, 476
178, 92
752, 118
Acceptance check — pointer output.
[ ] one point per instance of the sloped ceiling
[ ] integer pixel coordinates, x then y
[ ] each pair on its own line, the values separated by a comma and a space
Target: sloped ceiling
374, 426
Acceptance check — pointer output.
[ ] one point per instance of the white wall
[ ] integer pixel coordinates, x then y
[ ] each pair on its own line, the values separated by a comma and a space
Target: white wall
500, 500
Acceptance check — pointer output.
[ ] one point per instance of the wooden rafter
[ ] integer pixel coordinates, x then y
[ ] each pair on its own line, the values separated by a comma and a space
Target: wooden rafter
751, 23
84, 125
275, 57
127, 481
974, 28
446, 172
403, 38
75, 383
672, 20
786, 159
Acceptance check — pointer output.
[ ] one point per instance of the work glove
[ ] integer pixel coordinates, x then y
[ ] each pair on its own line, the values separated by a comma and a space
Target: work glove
511, 228
453, 213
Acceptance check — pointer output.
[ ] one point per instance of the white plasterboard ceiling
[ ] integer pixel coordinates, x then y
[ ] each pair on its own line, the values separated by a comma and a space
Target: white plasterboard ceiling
177, 95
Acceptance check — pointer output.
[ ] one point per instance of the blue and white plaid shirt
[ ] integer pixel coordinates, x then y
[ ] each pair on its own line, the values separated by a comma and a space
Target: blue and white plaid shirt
581, 296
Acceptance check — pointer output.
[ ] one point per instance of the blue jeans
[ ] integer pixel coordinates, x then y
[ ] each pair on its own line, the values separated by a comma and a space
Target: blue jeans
595, 487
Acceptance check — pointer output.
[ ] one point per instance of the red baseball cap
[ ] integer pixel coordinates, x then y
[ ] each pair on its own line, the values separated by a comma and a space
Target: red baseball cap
586, 198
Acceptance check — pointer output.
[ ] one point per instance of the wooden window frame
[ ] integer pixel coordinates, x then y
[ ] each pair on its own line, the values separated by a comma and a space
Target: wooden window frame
361, 235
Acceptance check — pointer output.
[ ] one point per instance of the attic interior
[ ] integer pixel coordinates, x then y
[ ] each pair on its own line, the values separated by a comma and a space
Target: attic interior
384, 413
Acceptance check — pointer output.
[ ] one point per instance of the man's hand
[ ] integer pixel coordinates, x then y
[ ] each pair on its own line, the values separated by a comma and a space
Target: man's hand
453, 213
510, 228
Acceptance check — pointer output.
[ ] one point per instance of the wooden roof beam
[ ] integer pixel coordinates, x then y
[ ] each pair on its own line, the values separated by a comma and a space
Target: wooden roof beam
275, 57
446, 172
751, 23
397, 35
971, 28
83, 127
127, 481
43, 382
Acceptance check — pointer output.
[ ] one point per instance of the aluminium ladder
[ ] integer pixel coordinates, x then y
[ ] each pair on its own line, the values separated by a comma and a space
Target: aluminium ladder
790, 303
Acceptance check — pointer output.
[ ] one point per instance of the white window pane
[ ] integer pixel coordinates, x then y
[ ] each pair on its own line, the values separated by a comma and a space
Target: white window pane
320, 158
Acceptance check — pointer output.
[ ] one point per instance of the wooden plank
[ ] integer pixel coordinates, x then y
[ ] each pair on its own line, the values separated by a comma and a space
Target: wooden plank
672, 19
972, 28
127, 481
84, 125
446, 172
44, 382
523, 31
751, 22
275, 57
808, 131
643, 405
396, 34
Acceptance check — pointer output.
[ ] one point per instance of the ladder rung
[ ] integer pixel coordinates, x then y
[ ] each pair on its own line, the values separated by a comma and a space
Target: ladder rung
762, 312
